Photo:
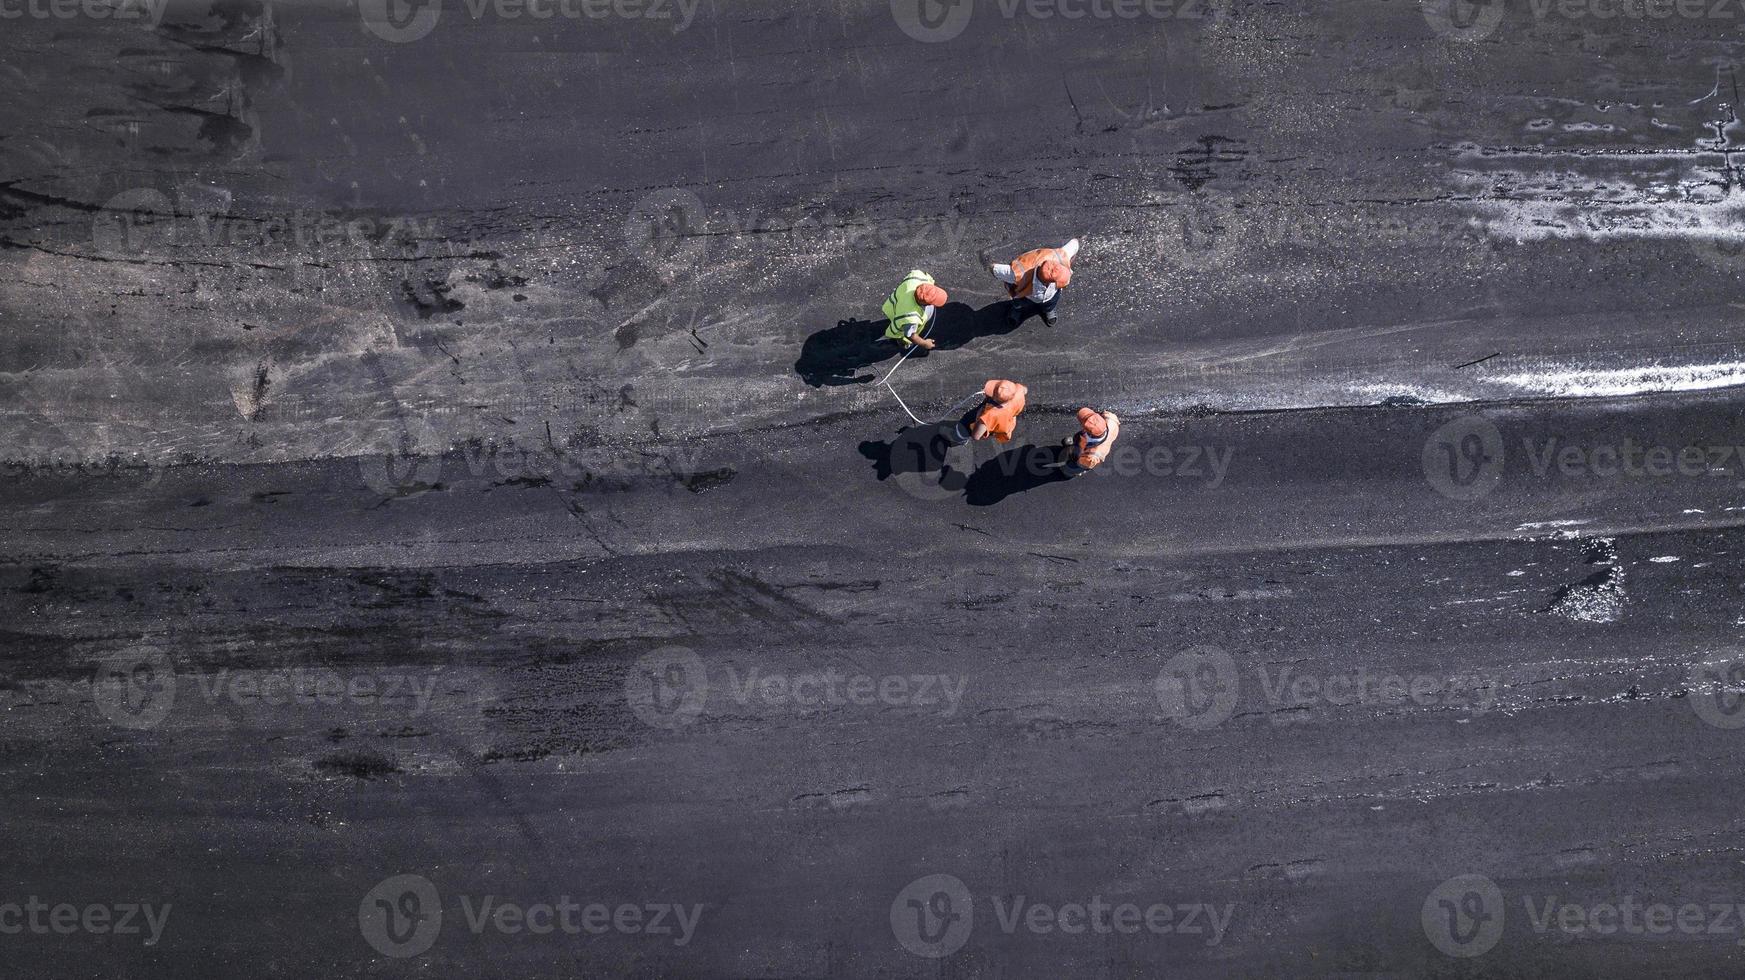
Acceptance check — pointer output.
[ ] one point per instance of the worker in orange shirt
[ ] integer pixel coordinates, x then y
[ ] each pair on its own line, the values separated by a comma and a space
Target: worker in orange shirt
997, 416
1034, 281
1088, 447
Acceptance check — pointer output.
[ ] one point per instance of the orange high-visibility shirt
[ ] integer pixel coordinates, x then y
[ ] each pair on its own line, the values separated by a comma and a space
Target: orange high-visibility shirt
1001, 420
1089, 456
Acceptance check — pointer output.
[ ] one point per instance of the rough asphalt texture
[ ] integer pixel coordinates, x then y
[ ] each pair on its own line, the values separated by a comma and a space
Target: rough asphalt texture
440, 448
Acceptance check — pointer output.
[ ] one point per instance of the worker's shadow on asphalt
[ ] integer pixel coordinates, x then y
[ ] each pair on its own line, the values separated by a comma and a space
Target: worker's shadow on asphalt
832, 357
917, 449
1015, 471
958, 324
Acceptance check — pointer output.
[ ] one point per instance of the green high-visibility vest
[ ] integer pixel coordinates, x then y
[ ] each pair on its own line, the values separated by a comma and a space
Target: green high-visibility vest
903, 309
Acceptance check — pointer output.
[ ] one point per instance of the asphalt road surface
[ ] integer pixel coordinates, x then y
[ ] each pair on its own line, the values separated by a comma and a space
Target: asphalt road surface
450, 523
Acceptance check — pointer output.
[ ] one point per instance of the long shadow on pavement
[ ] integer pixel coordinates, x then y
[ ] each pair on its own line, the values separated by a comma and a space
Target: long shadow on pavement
1015, 471
831, 357
958, 324
916, 449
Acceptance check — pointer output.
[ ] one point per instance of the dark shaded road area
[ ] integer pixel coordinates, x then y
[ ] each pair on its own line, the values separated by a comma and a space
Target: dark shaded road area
451, 525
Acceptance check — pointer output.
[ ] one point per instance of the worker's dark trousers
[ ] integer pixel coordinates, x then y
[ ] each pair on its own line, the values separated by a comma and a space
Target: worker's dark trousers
961, 434
1023, 308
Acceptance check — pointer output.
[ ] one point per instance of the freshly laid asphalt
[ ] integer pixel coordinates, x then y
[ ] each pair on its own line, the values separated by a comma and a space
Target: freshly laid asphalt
447, 473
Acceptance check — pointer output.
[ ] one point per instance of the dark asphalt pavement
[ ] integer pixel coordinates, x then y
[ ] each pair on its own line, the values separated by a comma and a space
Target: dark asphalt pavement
450, 526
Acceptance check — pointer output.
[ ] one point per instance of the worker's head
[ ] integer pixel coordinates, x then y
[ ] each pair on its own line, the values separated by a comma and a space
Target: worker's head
930, 295
1000, 391
1093, 423
1057, 273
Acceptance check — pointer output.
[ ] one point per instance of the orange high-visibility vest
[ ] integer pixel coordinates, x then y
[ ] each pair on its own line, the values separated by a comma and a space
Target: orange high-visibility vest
1089, 456
1026, 266
1000, 420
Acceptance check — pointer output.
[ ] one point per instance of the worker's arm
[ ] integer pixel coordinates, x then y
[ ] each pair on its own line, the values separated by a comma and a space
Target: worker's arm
914, 335
1003, 273
1071, 249
1114, 424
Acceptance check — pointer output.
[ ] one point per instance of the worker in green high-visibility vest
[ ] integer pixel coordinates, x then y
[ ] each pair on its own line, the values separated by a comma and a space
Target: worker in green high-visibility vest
910, 310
